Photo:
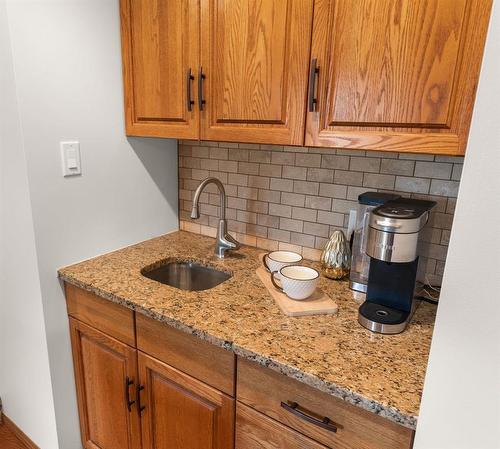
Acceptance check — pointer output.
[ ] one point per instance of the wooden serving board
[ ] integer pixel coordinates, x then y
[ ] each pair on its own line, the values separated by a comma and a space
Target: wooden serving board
317, 304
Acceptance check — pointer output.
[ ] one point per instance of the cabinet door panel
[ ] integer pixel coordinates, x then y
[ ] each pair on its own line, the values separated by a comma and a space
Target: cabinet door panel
393, 62
160, 44
102, 365
396, 74
182, 412
255, 57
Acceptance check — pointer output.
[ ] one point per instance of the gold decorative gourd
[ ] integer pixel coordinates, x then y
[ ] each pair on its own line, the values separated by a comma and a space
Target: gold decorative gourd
336, 257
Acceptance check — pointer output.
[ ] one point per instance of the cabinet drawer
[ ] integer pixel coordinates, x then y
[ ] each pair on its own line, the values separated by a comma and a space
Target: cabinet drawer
210, 364
110, 318
256, 431
266, 390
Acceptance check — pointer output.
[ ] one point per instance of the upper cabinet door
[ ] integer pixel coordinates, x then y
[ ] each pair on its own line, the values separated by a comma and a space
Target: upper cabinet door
397, 75
255, 57
160, 46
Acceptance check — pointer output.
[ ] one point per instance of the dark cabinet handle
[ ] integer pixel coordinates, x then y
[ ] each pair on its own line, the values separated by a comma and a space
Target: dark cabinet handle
128, 383
302, 413
189, 79
201, 78
313, 74
140, 407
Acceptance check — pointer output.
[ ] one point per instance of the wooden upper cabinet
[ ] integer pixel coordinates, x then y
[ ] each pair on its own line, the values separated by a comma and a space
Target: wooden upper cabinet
105, 374
393, 75
255, 58
160, 45
396, 75
181, 412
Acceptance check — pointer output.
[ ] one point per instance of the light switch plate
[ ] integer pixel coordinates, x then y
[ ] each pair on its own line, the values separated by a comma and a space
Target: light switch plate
70, 155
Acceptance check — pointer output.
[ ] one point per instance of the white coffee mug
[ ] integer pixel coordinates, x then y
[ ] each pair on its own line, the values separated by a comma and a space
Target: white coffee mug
297, 282
276, 260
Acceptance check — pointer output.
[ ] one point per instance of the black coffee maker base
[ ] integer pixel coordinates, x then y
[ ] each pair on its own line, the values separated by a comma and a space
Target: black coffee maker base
382, 319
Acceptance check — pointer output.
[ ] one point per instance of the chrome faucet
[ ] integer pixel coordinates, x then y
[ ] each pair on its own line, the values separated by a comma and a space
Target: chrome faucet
224, 240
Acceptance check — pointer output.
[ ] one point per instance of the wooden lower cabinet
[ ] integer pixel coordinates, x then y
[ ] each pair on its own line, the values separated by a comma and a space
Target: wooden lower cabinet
181, 412
168, 390
129, 400
256, 431
103, 367
272, 393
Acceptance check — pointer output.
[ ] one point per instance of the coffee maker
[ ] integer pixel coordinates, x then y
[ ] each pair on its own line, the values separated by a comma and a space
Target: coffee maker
393, 232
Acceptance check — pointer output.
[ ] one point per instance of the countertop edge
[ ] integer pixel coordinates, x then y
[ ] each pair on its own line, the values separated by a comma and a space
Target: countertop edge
351, 397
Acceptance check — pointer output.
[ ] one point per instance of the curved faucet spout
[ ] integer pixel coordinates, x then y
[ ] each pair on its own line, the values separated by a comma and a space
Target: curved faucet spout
195, 213
224, 240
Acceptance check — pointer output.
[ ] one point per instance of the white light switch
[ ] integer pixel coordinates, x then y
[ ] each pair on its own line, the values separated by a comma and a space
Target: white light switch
70, 154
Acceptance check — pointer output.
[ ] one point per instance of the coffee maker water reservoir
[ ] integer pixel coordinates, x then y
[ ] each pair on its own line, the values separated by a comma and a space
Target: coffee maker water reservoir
360, 262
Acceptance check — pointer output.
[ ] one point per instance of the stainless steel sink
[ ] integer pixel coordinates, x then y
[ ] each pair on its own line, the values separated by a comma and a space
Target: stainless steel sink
187, 276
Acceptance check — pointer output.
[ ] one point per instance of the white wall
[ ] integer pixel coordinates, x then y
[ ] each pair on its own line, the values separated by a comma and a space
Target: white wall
25, 385
461, 400
67, 61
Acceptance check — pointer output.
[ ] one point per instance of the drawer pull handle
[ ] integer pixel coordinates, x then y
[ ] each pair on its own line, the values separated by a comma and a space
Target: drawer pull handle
140, 407
297, 410
201, 78
313, 74
128, 383
189, 78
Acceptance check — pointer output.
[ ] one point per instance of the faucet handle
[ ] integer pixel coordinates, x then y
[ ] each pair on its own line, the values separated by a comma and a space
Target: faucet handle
230, 241
225, 240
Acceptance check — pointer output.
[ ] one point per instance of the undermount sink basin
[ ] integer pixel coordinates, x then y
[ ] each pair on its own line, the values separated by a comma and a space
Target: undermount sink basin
189, 276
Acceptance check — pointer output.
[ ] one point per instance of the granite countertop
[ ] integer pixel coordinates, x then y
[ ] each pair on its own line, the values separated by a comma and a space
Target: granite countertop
381, 374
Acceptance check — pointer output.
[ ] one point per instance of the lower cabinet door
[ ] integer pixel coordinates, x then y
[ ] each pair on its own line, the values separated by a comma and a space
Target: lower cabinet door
180, 412
105, 372
256, 431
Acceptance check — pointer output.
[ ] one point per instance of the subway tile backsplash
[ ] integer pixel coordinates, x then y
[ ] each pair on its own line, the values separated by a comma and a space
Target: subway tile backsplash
282, 197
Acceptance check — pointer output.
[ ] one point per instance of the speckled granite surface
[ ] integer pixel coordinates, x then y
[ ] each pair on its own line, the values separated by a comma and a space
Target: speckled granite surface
381, 374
